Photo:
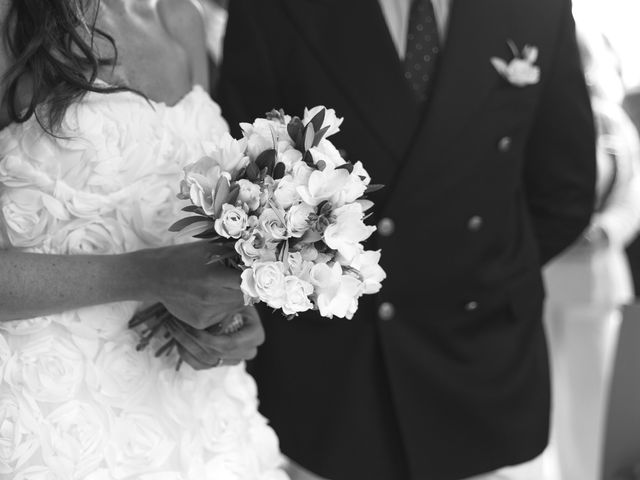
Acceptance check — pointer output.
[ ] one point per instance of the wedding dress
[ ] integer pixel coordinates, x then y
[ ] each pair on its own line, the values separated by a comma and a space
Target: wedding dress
77, 401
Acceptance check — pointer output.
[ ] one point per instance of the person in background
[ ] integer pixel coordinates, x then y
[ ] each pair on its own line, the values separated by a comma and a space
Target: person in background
588, 284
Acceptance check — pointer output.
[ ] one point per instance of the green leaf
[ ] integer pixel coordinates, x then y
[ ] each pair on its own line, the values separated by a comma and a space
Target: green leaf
373, 188
309, 134
185, 222
279, 171
346, 166
232, 197
194, 209
267, 159
319, 136
222, 192
308, 159
295, 129
209, 233
318, 120
253, 172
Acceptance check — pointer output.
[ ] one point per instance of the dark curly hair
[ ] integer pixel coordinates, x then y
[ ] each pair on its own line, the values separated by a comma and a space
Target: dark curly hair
52, 46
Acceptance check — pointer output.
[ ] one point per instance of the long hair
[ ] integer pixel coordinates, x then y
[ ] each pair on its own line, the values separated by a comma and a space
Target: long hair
51, 43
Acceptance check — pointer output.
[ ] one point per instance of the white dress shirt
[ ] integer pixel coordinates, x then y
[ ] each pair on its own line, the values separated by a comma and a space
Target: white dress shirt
396, 13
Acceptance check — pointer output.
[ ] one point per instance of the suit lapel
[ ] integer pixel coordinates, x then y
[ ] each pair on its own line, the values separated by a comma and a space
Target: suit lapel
351, 39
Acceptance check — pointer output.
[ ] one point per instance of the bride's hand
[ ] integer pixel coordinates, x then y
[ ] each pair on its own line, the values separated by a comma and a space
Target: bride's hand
199, 293
203, 349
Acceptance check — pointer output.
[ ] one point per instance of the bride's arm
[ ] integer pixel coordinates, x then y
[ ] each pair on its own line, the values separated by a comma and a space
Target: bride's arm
198, 293
33, 284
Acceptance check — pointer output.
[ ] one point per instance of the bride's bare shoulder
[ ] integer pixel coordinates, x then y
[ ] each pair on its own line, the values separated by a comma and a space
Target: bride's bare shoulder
184, 21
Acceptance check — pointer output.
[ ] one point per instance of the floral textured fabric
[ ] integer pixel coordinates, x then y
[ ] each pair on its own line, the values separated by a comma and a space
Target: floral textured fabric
77, 401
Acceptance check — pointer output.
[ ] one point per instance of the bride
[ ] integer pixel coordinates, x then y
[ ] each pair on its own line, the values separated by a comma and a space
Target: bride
102, 106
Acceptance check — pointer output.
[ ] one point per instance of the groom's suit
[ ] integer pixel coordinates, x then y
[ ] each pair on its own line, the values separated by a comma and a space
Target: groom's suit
444, 373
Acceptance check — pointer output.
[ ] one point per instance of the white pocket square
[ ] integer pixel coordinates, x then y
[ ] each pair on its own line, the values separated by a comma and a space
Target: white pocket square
521, 70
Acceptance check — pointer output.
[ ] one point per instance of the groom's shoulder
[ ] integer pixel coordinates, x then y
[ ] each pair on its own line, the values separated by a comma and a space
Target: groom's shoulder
545, 12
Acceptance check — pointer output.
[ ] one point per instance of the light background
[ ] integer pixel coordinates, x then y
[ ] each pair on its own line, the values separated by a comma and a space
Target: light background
619, 20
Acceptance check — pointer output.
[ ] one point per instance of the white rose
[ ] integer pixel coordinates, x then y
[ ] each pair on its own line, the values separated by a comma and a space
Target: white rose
354, 188
286, 193
259, 136
290, 157
326, 153
297, 219
301, 173
343, 302
30, 215
330, 119
297, 295
265, 281
249, 194
19, 431
86, 237
232, 222
74, 438
272, 225
200, 181
139, 443
228, 153
347, 231
298, 266
49, 368
323, 185
309, 253
122, 376
255, 248
371, 273
326, 278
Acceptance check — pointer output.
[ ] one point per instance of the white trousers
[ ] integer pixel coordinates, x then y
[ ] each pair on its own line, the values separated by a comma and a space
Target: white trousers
582, 342
533, 470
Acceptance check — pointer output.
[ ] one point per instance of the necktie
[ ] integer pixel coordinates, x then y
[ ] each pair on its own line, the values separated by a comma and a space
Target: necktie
423, 47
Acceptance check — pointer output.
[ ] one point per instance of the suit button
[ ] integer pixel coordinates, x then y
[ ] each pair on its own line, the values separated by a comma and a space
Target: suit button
504, 144
386, 311
475, 223
471, 306
386, 227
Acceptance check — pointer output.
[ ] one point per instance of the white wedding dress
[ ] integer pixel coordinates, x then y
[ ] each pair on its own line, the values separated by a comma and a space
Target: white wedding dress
77, 401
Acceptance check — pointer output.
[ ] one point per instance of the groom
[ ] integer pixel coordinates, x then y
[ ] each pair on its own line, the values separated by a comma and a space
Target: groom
475, 115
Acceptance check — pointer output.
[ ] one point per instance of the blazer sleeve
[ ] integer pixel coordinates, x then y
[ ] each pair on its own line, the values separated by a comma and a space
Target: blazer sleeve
248, 85
560, 162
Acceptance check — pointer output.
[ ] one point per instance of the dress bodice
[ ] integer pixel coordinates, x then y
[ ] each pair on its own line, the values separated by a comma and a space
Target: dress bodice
77, 401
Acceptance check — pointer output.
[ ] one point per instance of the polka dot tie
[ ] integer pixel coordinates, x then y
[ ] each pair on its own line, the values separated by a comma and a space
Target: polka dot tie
422, 48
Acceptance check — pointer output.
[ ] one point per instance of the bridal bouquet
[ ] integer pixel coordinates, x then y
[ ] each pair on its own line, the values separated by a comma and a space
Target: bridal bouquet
293, 208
